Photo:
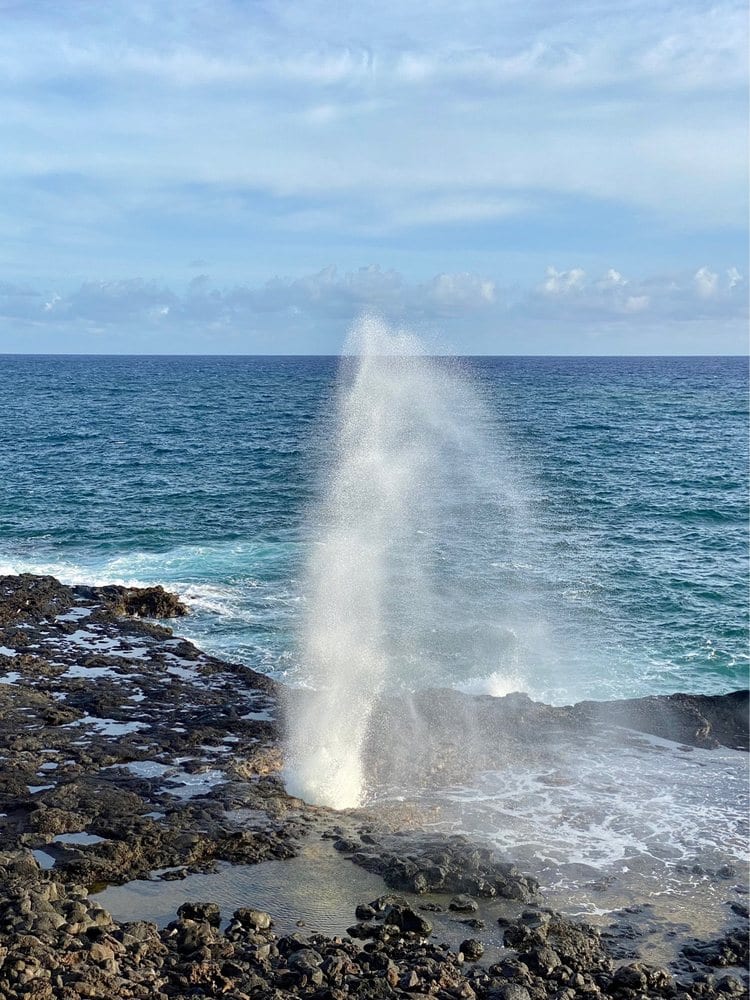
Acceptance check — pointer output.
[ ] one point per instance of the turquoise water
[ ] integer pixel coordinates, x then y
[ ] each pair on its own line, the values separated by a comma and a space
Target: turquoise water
199, 473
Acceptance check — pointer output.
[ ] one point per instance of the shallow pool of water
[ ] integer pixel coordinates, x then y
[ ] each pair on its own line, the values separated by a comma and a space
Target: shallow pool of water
319, 887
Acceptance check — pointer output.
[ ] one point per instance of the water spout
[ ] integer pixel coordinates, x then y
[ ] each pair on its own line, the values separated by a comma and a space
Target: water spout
413, 502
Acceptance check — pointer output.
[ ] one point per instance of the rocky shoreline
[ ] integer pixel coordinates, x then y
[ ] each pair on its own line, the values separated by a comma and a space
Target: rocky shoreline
129, 754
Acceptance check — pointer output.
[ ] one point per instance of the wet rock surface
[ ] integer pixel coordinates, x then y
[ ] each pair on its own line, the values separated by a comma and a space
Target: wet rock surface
694, 719
129, 753
134, 742
432, 733
422, 864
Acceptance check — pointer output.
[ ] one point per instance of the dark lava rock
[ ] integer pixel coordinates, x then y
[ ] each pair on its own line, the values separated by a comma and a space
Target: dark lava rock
463, 904
472, 949
732, 986
511, 991
545, 940
208, 912
439, 735
730, 949
641, 978
346, 845
32, 598
698, 720
407, 919
304, 959
542, 959
365, 929
381, 904
257, 920
141, 602
388, 914
420, 864
56, 943
192, 935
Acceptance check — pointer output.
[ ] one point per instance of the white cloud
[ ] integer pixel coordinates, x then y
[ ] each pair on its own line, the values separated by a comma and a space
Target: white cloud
463, 292
476, 114
612, 279
706, 282
637, 303
563, 282
574, 296
734, 277
567, 296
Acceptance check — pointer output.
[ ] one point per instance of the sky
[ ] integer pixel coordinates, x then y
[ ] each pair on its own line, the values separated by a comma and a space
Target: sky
244, 176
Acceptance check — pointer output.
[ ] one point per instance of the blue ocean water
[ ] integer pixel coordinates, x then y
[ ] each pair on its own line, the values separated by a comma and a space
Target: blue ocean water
199, 473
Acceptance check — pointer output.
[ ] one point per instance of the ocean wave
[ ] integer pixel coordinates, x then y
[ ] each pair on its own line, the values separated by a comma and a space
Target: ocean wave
497, 684
246, 606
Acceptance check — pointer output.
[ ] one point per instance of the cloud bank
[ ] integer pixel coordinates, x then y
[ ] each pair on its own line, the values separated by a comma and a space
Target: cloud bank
310, 314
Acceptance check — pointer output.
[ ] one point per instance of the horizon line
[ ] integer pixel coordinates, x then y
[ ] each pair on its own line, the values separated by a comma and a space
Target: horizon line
85, 354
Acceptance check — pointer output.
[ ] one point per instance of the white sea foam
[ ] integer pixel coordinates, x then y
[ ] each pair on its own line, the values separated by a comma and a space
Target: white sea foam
146, 768
496, 684
173, 568
644, 813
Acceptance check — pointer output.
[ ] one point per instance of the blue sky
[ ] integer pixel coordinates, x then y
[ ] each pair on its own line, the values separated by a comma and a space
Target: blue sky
243, 177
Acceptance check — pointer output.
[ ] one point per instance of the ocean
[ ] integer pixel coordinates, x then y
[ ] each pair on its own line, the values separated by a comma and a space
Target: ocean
201, 473
619, 569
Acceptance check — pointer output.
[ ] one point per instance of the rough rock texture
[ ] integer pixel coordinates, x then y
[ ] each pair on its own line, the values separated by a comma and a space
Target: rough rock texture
111, 726
31, 598
695, 719
59, 945
156, 756
34, 598
422, 864
545, 940
144, 602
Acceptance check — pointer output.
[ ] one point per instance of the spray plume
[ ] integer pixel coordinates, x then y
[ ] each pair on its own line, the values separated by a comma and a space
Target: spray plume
394, 580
